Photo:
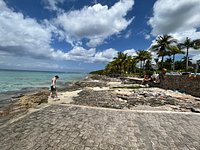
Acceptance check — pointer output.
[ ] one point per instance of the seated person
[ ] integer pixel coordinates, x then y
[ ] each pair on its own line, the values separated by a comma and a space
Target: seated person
147, 78
156, 78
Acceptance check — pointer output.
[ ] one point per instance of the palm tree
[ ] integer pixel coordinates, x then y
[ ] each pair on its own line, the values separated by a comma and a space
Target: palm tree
185, 59
142, 56
121, 61
130, 64
187, 44
121, 64
162, 46
175, 49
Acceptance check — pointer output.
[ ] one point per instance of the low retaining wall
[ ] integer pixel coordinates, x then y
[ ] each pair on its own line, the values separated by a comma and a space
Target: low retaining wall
182, 83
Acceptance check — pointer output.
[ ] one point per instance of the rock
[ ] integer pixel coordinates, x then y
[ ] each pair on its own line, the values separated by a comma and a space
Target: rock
196, 110
35, 99
152, 97
170, 101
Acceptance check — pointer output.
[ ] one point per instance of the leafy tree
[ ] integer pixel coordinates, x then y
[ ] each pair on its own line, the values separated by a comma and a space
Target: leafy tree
130, 64
185, 59
162, 46
121, 61
187, 44
175, 49
148, 65
121, 64
142, 56
197, 43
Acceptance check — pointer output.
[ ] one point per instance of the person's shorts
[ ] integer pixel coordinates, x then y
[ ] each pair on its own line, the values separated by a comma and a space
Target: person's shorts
53, 88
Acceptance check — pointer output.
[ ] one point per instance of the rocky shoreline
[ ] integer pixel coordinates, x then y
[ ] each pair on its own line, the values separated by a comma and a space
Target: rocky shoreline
103, 91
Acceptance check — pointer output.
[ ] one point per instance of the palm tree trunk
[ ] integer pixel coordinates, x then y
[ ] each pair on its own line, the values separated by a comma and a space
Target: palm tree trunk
187, 59
162, 61
173, 62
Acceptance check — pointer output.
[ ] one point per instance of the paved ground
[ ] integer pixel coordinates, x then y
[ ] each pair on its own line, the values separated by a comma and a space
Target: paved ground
82, 128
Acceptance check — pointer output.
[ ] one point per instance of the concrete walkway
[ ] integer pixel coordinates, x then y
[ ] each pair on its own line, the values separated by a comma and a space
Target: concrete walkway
71, 127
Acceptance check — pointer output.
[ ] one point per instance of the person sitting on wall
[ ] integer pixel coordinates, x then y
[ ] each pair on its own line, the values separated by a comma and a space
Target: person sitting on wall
156, 78
162, 74
147, 78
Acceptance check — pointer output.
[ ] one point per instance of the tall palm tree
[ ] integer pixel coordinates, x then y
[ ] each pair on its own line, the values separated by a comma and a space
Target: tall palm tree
121, 64
142, 56
130, 64
162, 46
175, 49
121, 61
185, 59
187, 44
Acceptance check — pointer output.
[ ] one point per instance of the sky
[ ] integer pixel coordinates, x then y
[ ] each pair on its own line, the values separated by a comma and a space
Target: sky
77, 35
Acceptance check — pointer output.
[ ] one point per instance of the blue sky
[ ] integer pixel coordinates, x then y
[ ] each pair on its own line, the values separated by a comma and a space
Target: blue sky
77, 35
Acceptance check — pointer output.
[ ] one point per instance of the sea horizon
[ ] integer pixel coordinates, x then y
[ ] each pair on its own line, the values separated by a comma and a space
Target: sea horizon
34, 70
12, 80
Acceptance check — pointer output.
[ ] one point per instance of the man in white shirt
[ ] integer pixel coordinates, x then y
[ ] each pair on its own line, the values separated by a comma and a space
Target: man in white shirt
53, 86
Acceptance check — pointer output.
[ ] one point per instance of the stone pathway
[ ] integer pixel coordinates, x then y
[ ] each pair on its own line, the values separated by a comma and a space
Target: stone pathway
71, 127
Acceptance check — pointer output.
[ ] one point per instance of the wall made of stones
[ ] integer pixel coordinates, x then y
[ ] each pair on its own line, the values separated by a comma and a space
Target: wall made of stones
182, 83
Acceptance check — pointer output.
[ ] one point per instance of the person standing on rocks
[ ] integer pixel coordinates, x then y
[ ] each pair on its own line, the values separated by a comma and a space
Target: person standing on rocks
53, 86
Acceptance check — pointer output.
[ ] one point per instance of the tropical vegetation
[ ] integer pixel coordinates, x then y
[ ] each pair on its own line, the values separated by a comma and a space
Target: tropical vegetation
164, 46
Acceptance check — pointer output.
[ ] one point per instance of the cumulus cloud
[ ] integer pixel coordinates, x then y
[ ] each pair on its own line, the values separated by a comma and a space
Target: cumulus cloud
22, 35
95, 23
22, 62
179, 18
175, 16
81, 54
130, 52
105, 56
32, 40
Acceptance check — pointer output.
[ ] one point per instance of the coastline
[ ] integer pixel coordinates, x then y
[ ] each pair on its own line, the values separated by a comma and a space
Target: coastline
101, 91
12, 104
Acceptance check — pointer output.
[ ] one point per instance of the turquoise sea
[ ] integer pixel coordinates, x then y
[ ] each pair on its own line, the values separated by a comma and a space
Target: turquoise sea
16, 80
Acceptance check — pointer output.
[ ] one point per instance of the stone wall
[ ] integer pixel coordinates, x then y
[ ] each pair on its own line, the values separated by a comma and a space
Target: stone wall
182, 83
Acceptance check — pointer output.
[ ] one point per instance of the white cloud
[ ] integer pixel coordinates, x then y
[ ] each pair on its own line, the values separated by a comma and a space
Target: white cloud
81, 54
52, 5
25, 38
21, 35
105, 56
94, 42
147, 36
175, 16
26, 43
179, 18
128, 34
21, 62
95, 23
130, 52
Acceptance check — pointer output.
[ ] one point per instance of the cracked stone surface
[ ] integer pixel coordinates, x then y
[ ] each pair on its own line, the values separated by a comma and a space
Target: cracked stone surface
70, 127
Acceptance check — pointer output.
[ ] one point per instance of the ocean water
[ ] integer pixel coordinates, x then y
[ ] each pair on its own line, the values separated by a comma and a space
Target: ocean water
15, 80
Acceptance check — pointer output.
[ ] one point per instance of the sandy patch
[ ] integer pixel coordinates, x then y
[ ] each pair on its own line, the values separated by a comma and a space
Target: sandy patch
135, 78
64, 97
113, 84
123, 91
98, 88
